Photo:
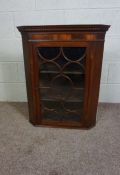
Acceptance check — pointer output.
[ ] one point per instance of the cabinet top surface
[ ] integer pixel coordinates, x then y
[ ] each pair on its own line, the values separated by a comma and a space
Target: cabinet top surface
62, 28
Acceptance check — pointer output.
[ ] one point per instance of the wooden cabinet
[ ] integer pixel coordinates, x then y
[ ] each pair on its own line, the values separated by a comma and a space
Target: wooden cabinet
63, 68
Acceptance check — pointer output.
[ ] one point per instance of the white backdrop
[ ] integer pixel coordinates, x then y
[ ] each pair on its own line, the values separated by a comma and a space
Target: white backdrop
40, 12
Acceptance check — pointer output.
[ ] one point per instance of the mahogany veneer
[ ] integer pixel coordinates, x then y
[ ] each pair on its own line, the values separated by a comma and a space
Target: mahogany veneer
63, 67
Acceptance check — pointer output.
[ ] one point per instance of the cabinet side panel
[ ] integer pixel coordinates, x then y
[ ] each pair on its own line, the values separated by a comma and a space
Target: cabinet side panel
28, 63
94, 74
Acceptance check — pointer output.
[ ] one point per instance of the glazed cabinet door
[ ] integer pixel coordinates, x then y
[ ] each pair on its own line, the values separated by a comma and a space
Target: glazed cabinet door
60, 87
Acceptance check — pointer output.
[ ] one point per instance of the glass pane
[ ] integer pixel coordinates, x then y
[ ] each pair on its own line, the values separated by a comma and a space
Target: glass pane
49, 52
62, 79
73, 53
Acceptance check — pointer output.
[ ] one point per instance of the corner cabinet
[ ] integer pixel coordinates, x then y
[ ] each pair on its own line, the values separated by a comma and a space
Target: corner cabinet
63, 67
